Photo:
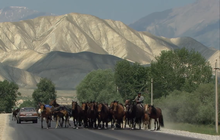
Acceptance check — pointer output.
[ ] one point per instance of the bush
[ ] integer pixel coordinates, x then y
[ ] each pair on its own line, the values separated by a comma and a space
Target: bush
197, 107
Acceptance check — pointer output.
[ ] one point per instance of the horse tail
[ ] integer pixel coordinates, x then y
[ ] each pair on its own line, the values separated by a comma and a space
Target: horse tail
161, 121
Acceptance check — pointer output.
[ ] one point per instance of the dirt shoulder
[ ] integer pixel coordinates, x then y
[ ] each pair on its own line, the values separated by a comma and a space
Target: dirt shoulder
3, 119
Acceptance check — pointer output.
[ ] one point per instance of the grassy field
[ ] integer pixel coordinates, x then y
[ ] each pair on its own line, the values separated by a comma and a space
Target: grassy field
203, 129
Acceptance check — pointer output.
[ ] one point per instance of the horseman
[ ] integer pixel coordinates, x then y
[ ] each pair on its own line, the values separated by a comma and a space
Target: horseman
139, 99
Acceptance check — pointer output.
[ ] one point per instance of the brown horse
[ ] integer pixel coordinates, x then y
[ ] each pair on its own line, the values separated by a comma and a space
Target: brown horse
46, 113
103, 115
84, 113
92, 114
14, 114
77, 114
60, 112
146, 118
128, 115
118, 114
156, 114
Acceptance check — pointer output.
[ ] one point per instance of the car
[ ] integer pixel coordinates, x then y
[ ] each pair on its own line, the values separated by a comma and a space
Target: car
27, 114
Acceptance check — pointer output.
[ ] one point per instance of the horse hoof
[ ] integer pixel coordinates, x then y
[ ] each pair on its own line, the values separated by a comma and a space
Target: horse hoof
77, 128
99, 128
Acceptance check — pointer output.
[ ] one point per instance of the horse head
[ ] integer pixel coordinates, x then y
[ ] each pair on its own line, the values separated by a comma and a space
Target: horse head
74, 105
41, 108
92, 106
84, 106
115, 106
146, 107
100, 107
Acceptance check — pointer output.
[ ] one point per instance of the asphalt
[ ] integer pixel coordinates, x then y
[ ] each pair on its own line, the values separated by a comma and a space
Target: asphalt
30, 131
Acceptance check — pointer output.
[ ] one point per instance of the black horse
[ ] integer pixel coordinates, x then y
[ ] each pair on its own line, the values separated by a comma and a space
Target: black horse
76, 114
137, 113
92, 114
103, 115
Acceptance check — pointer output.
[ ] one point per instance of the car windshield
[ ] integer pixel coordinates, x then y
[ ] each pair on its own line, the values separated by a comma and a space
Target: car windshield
27, 109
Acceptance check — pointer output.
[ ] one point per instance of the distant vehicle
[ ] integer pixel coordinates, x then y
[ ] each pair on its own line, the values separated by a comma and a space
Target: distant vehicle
27, 114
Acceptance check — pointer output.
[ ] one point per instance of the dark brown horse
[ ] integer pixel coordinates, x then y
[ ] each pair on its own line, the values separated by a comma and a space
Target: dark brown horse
46, 113
84, 113
14, 114
77, 114
60, 112
156, 114
137, 113
118, 114
103, 115
92, 114
128, 115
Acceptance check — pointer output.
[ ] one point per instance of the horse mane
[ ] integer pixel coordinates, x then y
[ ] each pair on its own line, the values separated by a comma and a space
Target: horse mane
154, 111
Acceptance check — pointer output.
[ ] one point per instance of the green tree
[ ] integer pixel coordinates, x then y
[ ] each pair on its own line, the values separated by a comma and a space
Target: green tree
8, 95
27, 103
98, 86
179, 69
45, 91
131, 78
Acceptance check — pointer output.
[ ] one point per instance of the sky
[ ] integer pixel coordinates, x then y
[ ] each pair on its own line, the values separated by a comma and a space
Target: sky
127, 11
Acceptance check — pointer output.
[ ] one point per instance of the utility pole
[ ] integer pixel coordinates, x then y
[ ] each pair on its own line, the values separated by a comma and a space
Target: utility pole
216, 97
152, 91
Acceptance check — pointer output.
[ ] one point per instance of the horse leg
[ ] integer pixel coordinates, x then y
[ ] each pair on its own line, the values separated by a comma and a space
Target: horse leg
42, 121
158, 124
133, 123
47, 120
57, 122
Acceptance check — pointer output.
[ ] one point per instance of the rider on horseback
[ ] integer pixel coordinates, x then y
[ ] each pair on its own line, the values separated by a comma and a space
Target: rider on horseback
139, 99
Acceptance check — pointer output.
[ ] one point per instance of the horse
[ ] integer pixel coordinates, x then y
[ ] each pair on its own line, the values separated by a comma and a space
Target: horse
137, 113
156, 114
146, 118
46, 113
14, 114
84, 113
60, 112
103, 115
77, 114
118, 113
128, 115
92, 114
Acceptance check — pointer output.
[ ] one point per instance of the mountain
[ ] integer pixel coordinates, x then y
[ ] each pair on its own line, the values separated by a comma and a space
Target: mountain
199, 20
19, 76
67, 70
16, 13
66, 48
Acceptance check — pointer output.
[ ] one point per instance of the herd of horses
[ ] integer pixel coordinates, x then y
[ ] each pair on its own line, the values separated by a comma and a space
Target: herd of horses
98, 115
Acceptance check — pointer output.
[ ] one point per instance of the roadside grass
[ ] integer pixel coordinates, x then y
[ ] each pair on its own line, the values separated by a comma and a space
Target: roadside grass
202, 129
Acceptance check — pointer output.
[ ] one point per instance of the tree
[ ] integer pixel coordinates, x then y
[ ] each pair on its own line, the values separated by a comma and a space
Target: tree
8, 94
179, 69
45, 91
131, 78
98, 86
27, 103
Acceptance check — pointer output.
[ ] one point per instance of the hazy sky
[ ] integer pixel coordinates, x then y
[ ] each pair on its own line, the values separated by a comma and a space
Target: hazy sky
127, 11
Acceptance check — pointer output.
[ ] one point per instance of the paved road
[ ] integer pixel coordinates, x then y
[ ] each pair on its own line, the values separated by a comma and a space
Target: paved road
29, 131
